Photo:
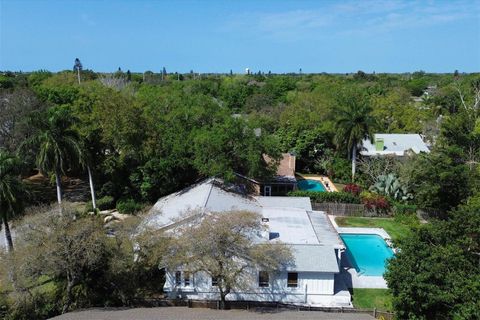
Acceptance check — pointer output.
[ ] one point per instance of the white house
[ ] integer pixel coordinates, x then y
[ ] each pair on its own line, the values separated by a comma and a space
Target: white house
316, 247
396, 144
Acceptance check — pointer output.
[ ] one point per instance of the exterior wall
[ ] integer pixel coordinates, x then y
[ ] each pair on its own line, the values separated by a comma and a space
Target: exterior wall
314, 288
277, 189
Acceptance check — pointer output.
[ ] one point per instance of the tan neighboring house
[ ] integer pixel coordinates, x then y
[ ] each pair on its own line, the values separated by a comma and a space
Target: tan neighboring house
283, 182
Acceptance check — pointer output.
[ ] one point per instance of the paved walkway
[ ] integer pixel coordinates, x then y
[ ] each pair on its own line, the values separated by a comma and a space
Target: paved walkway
183, 313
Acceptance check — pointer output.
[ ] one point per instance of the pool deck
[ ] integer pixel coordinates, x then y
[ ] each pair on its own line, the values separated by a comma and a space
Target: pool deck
348, 273
326, 182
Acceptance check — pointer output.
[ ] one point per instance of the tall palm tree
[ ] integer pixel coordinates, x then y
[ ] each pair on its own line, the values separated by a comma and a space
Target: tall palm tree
58, 144
77, 67
11, 193
354, 124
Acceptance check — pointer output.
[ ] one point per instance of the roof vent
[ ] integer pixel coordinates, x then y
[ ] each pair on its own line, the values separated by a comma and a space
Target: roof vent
273, 235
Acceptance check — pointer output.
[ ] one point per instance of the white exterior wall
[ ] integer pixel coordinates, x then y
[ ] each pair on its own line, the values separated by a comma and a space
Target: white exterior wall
314, 288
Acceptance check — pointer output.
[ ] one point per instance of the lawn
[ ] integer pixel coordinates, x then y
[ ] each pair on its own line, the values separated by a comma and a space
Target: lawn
394, 228
372, 298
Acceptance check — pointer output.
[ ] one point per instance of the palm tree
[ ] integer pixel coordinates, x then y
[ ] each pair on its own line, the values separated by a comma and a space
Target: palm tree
11, 192
57, 143
77, 67
354, 124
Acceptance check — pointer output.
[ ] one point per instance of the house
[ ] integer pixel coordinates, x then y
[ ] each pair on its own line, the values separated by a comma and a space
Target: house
394, 144
312, 278
283, 182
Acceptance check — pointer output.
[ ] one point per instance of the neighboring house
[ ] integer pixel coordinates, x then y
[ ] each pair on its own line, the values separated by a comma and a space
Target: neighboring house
316, 246
394, 144
283, 182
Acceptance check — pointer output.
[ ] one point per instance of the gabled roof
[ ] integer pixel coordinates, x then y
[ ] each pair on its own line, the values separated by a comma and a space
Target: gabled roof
310, 234
395, 144
208, 195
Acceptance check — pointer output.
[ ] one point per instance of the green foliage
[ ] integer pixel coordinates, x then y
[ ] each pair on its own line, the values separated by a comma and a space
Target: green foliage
390, 186
336, 197
439, 180
436, 274
128, 206
401, 208
104, 203
372, 298
416, 86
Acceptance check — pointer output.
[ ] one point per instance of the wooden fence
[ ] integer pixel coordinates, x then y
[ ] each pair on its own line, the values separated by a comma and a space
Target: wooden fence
346, 209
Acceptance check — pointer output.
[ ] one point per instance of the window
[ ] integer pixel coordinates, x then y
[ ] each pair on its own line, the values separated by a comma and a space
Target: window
292, 280
186, 278
263, 279
178, 278
214, 281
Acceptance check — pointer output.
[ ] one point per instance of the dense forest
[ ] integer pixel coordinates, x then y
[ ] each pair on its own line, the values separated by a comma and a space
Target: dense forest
146, 135
140, 136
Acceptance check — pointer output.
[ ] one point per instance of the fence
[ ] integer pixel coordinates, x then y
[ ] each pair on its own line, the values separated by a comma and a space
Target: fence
247, 305
346, 209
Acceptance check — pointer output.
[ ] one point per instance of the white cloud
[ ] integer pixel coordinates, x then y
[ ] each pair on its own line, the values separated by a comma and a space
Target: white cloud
354, 18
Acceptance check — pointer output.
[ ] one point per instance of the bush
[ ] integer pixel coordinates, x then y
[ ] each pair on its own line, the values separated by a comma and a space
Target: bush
103, 203
353, 188
400, 208
375, 202
336, 197
128, 206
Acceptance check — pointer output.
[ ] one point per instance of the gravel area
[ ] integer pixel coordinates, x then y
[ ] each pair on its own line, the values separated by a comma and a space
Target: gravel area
184, 313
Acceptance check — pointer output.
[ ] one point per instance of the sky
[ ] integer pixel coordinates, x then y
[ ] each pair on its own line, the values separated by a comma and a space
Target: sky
219, 36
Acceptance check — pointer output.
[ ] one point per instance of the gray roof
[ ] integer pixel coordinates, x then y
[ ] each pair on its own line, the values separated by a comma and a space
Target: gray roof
308, 232
314, 258
289, 202
324, 230
395, 144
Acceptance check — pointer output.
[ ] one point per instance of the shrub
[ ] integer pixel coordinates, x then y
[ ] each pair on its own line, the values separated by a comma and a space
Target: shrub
103, 203
352, 188
128, 206
375, 202
336, 197
400, 208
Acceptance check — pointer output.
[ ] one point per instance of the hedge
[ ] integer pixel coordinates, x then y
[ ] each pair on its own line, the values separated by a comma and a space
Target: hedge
128, 206
103, 203
335, 197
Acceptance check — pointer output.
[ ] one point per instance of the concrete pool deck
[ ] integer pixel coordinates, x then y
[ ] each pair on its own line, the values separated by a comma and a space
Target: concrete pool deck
348, 272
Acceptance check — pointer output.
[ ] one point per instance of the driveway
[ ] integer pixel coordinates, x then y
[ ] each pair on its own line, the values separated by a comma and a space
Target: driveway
184, 313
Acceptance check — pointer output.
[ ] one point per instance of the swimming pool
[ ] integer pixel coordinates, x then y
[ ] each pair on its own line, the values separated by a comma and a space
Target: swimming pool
367, 252
310, 185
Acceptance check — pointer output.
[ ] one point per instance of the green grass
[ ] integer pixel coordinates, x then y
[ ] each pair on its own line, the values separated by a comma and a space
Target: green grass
372, 298
393, 227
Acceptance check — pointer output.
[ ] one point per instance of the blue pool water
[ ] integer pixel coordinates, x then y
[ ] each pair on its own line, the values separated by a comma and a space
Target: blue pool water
310, 185
367, 252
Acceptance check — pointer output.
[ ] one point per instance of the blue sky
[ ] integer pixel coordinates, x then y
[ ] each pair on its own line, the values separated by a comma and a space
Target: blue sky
216, 36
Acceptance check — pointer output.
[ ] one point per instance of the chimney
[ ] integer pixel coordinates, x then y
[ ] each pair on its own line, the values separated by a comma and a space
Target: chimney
291, 161
379, 144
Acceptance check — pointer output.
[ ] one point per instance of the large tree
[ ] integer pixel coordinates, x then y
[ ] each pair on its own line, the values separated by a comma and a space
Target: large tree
11, 192
436, 274
354, 124
224, 246
56, 143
